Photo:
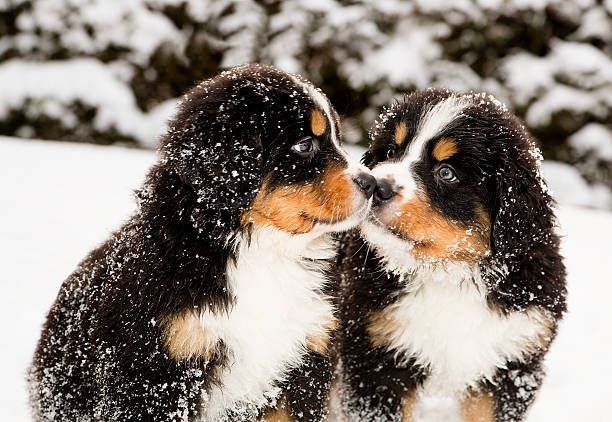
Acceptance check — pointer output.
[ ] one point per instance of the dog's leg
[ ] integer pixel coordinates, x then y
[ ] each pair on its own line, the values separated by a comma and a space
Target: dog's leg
515, 387
308, 387
377, 389
280, 413
153, 390
306, 392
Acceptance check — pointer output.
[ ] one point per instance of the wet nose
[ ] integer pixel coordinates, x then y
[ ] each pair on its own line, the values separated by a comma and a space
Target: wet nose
384, 191
366, 182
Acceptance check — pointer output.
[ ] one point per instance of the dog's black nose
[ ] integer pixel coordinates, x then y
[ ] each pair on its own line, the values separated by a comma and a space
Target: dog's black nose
366, 183
384, 191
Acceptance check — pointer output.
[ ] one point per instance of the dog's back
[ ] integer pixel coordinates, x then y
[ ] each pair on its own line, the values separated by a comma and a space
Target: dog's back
64, 343
96, 344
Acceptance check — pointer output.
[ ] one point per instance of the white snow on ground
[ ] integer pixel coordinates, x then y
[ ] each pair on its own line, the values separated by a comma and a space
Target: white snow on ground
57, 201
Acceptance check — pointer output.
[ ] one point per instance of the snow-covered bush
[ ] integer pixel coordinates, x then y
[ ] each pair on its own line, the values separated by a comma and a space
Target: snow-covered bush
109, 70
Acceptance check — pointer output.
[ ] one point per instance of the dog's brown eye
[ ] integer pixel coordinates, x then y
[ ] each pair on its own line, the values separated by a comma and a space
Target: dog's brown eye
305, 147
447, 174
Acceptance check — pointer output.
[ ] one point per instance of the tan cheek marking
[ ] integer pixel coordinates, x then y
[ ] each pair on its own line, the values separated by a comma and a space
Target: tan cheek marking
186, 338
280, 208
445, 149
318, 122
478, 407
400, 133
337, 191
319, 342
438, 237
294, 208
277, 414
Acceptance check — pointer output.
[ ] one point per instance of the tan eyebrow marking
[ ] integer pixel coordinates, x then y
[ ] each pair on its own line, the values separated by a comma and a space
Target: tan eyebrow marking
445, 149
400, 133
318, 122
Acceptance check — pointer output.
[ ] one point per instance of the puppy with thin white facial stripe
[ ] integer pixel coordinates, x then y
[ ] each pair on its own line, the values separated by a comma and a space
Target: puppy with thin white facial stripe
212, 303
454, 286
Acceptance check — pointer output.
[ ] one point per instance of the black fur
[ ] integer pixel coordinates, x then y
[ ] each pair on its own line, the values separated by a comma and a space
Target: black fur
497, 167
373, 383
101, 355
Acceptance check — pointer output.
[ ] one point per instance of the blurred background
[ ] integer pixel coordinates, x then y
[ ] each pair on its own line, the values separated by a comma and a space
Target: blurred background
94, 82
109, 72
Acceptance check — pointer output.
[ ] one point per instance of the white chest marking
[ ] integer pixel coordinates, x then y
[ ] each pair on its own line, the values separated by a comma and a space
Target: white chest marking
278, 303
448, 327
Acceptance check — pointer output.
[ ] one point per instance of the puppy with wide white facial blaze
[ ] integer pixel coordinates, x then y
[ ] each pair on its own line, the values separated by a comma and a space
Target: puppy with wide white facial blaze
213, 302
454, 285
428, 197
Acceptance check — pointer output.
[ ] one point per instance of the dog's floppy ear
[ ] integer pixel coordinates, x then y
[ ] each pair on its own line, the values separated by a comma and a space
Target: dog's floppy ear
523, 240
522, 207
213, 146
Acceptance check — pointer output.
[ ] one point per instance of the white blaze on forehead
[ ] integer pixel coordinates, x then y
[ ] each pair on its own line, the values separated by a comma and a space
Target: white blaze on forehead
433, 122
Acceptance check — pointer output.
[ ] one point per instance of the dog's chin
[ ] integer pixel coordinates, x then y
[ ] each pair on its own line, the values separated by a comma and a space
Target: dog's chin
378, 221
352, 221
396, 251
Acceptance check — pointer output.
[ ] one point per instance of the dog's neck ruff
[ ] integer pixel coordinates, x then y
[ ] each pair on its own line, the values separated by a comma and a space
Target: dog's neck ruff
277, 282
397, 258
443, 321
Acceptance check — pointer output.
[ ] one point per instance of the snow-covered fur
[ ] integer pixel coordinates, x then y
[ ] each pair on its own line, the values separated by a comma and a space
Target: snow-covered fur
212, 301
453, 288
